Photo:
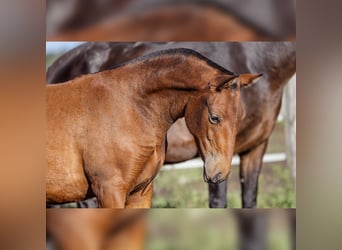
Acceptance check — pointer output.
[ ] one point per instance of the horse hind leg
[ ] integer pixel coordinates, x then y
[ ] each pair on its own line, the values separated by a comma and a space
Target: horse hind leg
250, 167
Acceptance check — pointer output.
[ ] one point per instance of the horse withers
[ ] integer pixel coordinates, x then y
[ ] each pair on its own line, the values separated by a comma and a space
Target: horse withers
106, 131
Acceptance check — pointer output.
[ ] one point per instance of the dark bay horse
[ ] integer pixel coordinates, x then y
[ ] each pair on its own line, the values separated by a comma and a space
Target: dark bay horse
277, 61
106, 131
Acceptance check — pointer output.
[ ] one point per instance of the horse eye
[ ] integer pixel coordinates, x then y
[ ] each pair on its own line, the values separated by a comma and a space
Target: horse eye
214, 119
233, 86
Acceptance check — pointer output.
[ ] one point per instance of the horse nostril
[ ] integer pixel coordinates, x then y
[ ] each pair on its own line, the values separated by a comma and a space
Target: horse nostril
205, 177
216, 178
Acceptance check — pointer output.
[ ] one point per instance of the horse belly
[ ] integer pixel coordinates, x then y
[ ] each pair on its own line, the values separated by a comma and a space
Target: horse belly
65, 179
66, 190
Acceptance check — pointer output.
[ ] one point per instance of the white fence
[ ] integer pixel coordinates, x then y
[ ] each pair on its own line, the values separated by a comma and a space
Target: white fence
198, 163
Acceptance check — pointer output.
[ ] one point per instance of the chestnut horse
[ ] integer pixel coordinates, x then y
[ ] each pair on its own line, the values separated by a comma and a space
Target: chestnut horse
106, 131
277, 60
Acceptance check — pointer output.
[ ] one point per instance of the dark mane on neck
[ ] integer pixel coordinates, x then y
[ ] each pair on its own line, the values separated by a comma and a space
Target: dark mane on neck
182, 51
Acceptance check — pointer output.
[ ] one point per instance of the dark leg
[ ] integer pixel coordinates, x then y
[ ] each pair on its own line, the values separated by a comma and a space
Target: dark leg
53, 206
292, 220
89, 203
250, 167
218, 195
252, 228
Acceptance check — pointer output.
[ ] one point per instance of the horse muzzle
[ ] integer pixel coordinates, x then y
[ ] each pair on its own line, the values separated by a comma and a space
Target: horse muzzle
213, 171
215, 179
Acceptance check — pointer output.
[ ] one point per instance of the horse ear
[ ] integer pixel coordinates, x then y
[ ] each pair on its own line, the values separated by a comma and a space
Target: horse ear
247, 80
227, 83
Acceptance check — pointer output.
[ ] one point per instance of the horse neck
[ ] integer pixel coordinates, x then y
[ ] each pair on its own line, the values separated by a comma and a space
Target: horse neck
162, 87
279, 65
172, 72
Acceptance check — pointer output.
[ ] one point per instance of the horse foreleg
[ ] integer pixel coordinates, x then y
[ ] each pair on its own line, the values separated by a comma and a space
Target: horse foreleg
218, 194
250, 167
141, 199
110, 195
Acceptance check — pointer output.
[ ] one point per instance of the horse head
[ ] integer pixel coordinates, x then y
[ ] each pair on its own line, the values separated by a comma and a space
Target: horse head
213, 118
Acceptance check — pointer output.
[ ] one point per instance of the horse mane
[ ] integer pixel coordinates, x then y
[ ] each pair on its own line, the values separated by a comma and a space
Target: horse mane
181, 51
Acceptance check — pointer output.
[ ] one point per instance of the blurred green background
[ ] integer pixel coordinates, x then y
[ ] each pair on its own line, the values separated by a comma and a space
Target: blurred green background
214, 229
